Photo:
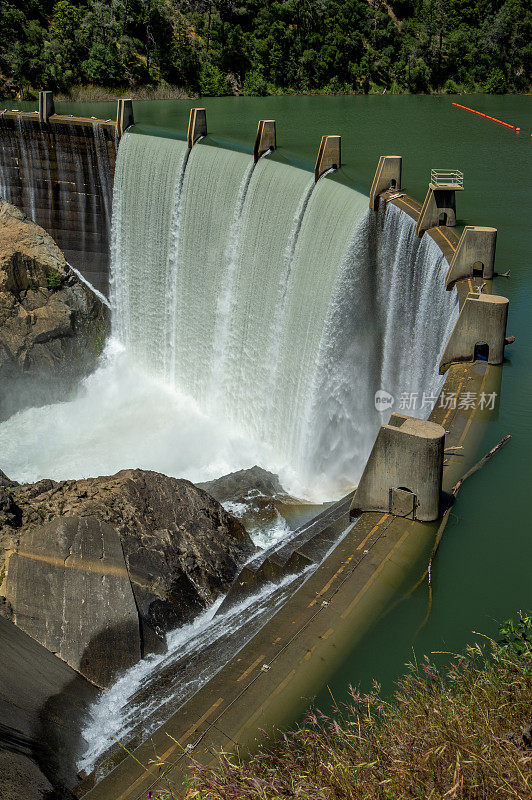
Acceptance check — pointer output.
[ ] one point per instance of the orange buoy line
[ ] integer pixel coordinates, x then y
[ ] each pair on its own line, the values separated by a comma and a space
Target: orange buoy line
493, 119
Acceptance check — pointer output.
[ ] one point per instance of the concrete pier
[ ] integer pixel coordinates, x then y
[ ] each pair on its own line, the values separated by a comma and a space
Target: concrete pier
439, 207
124, 116
266, 138
479, 332
46, 106
197, 125
403, 475
329, 155
387, 177
475, 255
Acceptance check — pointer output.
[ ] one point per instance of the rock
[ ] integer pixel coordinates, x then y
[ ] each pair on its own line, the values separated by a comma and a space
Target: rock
52, 326
5, 481
177, 546
10, 513
523, 739
256, 497
42, 705
238, 486
88, 617
22, 778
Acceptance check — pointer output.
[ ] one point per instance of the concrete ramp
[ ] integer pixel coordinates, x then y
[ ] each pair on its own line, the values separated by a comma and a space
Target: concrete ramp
308, 545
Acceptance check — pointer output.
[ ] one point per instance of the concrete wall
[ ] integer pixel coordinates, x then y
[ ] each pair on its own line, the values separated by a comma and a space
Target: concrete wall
403, 475
387, 176
61, 175
329, 155
266, 138
197, 125
437, 201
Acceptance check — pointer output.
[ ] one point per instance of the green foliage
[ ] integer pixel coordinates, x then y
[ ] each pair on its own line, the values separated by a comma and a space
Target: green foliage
496, 83
103, 64
255, 84
211, 81
216, 47
53, 280
516, 636
450, 87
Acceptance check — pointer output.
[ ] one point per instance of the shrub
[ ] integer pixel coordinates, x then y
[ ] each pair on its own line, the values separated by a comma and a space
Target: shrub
451, 87
255, 84
53, 280
496, 83
212, 82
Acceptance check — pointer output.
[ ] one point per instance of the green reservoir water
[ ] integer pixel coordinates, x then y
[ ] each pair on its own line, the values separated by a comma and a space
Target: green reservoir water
482, 573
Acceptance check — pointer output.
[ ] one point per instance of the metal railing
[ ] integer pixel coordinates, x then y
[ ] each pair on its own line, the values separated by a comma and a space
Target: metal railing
444, 177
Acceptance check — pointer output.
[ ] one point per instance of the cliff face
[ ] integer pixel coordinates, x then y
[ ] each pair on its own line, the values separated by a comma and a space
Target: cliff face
52, 327
98, 570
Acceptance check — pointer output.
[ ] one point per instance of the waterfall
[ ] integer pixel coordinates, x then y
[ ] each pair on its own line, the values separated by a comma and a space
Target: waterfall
278, 305
387, 326
146, 191
255, 314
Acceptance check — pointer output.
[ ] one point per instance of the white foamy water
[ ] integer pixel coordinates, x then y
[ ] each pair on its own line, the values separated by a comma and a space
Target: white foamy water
121, 418
116, 714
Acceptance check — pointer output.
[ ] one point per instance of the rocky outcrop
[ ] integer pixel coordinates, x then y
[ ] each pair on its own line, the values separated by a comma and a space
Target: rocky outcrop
98, 570
75, 567
256, 497
238, 486
42, 704
52, 326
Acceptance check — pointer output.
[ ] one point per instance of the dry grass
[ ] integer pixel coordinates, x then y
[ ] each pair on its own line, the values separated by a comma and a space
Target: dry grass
95, 94
459, 732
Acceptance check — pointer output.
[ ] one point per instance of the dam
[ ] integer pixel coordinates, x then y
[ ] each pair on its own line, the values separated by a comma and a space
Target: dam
270, 299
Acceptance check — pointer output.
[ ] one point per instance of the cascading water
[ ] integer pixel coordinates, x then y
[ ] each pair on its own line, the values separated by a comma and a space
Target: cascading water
255, 315
146, 220
290, 304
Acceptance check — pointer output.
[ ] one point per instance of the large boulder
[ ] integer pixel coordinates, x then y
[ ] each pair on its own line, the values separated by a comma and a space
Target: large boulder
237, 487
68, 587
122, 559
259, 501
52, 326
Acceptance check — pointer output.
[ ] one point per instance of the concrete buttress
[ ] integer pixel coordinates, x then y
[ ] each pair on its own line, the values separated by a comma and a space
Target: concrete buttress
403, 475
480, 331
387, 176
476, 246
329, 155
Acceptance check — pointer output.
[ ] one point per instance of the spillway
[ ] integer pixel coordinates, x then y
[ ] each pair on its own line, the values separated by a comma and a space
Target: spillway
278, 305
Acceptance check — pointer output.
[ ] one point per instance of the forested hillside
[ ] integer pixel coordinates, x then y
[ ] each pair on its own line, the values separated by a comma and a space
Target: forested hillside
214, 47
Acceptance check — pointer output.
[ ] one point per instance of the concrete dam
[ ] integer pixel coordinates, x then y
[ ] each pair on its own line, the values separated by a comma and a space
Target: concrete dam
285, 305
60, 173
